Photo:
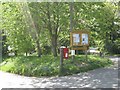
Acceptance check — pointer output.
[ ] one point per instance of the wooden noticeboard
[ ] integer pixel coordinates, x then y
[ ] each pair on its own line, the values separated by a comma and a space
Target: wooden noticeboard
79, 40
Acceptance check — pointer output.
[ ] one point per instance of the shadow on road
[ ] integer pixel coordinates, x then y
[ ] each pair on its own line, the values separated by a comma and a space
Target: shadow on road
99, 78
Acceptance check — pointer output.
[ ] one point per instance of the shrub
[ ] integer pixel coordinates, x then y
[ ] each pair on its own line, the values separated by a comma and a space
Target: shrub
49, 66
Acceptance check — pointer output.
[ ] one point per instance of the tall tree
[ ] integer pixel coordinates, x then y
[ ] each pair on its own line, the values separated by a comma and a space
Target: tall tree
52, 17
33, 27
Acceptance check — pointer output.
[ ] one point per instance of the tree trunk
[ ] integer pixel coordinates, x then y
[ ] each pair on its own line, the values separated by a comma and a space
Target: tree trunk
71, 16
34, 26
38, 48
71, 22
26, 53
16, 53
54, 45
107, 42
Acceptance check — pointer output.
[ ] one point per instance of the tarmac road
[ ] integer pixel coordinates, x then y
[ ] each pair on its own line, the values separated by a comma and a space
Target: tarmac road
99, 78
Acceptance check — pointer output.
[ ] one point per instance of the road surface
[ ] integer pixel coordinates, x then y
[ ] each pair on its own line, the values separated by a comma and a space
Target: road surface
99, 78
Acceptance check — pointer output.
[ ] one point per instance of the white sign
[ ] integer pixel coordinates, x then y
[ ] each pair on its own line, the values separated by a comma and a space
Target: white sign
84, 39
72, 52
76, 38
66, 55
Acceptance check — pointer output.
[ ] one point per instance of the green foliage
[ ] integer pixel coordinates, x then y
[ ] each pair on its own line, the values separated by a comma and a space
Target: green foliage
13, 24
49, 24
49, 66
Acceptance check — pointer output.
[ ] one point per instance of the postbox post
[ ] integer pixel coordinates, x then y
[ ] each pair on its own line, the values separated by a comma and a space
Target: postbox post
61, 61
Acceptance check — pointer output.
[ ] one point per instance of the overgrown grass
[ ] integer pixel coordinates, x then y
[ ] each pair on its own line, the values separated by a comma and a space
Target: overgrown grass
49, 66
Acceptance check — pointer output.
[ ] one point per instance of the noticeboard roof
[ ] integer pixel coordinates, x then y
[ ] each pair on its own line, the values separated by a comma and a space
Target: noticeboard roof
80, 31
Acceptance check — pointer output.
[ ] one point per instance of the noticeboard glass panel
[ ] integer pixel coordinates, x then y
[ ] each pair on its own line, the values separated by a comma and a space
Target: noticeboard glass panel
76, 39
84, 39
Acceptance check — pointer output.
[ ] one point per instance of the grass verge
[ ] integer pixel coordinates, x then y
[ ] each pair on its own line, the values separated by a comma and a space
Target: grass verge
49, 66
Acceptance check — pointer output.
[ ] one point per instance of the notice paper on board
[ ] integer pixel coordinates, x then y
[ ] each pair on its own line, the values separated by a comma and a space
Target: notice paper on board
84, 38
76, 38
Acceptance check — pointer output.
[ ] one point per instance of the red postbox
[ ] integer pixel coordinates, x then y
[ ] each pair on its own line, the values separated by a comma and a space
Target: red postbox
65, 53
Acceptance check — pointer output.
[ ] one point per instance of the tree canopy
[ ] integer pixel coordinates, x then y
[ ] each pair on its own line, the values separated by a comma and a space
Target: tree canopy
42, 25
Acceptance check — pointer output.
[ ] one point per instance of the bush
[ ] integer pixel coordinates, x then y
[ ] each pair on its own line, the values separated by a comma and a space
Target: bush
49, 66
